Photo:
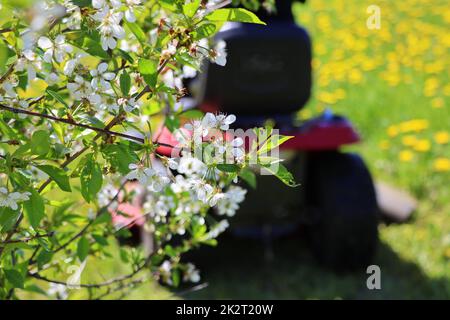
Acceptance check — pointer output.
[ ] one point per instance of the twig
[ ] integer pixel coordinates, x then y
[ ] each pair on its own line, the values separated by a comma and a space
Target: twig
147, 88
28, 239
7, 73
83, 230
192, 289
72, 122
121, 287
97, 285
5, 30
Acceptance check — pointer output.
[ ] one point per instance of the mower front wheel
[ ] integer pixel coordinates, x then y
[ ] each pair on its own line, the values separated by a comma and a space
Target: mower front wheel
340, 191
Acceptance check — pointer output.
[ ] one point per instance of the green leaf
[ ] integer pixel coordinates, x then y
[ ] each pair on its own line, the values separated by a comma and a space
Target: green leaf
137, 31
281, 173
91, 178
104, 217
124, 255
35, 288
58, 175
190, 9
192, 114
125, 55
94, 48
43, 258
274, 141
83, 248
248, 176
120, 156
82, 3
235, 15
5, 129
40, 143
148, 69
8, 218
57, 97
14, 277
204, 31
100, 239
125, 83
34, 208
176, 278
230, 168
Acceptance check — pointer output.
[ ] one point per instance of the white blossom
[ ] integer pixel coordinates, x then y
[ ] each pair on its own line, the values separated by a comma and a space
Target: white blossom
81, 89
8, 88
128, 104
204, 191
52, 78
140, 173
71, 64
218, 229
107, 193
158, 182
191, 274
12, 199
229, 204
58, 290
109, 28
219, 121
101, 78
219, 53
190, 165
129, 13
29, 62
57, 49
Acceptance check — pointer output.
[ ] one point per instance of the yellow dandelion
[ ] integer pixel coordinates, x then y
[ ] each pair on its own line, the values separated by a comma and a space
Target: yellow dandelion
392, 131
355, 76
326, 97
340, 94
409, 140
415, 125
442, 137
405, 156
422, 145
437, 103
447, 90
441, 164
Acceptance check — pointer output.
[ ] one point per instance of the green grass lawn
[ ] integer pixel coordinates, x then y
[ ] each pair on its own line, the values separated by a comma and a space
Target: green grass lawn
381, 80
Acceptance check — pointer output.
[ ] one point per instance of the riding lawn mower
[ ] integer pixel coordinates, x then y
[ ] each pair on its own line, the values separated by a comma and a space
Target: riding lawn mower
268, 77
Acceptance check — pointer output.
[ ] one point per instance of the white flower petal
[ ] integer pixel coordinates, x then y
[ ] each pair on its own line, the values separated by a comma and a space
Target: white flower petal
109, 76
45, 43
102, 67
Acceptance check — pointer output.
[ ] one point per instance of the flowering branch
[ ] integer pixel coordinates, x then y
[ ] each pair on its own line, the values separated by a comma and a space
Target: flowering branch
72, 122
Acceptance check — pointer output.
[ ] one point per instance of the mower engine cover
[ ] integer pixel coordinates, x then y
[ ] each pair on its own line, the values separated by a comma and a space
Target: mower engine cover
268, 70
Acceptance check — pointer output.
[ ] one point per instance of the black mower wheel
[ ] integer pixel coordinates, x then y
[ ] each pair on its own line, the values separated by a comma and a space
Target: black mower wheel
341, 193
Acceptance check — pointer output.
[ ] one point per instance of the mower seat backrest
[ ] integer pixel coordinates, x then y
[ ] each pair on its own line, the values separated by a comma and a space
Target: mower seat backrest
268, 70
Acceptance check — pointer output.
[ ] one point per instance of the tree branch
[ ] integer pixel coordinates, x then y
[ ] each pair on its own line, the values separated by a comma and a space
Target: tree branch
72, 122
7, 73
97, 285
47, 235
72, 158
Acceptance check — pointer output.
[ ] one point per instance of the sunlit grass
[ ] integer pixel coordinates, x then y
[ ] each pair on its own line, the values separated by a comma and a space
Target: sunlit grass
394, 84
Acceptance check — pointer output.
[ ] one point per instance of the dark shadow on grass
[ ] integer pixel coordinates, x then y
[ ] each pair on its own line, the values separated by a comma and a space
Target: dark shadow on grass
248, 269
